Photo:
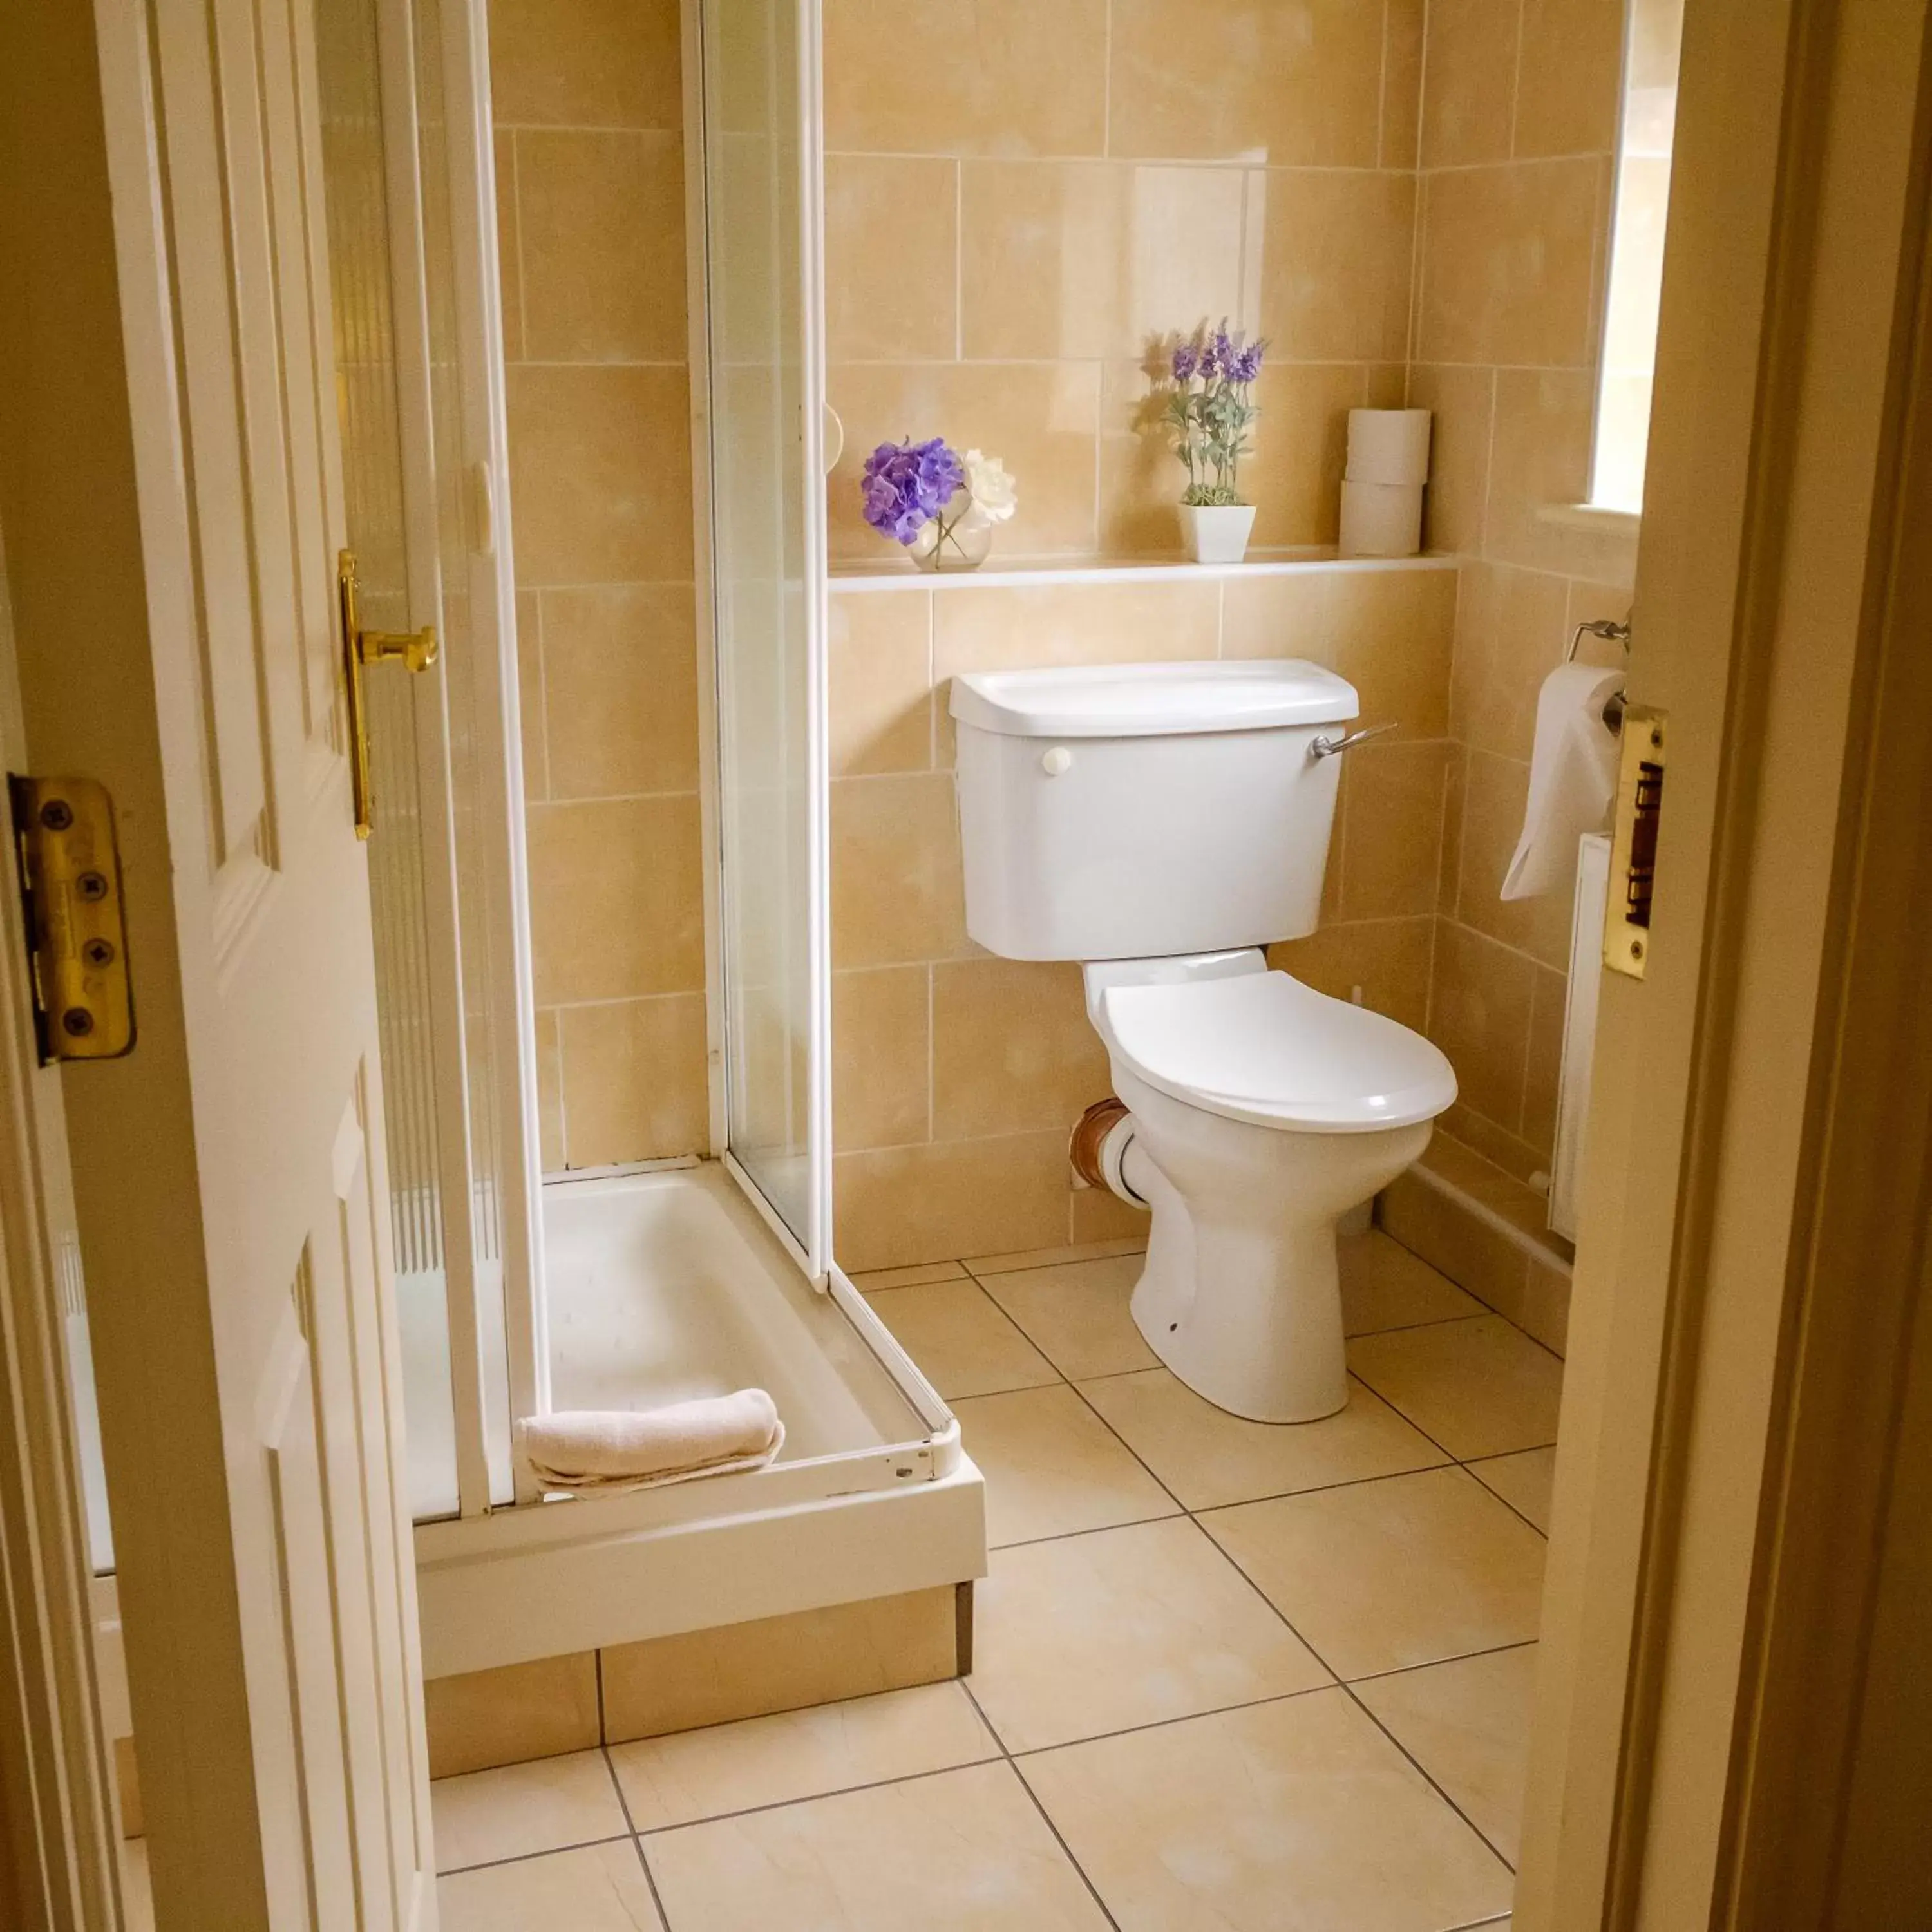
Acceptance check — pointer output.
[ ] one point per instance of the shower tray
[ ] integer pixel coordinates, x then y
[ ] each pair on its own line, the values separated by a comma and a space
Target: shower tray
660, 1287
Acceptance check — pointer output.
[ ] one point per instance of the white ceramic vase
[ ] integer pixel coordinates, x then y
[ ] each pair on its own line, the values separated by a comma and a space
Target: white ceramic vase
1217, 532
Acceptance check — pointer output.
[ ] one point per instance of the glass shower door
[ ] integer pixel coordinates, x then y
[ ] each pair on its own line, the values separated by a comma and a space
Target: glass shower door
763, 253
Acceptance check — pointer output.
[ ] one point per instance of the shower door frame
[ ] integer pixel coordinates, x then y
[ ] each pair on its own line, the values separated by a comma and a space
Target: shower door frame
813, 1252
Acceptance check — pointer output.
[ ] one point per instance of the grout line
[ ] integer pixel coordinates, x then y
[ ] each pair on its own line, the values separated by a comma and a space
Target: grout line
1437, 1662
624, 1806
524, 1858
1006, 1757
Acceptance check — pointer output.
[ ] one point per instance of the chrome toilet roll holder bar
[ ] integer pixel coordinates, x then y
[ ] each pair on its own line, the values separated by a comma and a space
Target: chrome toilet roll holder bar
1609, 628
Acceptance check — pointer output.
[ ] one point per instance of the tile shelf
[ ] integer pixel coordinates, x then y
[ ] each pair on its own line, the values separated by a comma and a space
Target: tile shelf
1023, 571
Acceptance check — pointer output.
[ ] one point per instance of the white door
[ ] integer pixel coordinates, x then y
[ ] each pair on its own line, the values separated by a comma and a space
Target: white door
229, 1172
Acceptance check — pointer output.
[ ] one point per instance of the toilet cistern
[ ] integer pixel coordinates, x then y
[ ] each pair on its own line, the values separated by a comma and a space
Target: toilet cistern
1161, 824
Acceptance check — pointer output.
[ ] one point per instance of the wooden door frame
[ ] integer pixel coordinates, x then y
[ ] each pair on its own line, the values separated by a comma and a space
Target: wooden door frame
1699, 1423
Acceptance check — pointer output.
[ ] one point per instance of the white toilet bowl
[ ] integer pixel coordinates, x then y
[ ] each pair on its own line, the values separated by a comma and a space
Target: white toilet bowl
1261, 1111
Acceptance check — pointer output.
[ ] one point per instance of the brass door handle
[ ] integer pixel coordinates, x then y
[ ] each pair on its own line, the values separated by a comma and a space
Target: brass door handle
414, 650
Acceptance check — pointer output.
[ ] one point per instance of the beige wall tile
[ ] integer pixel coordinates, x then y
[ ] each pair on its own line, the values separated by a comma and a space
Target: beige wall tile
1572, 53
1012, 1049
997, 627
1394, 635
1393, 828
892, 257
1469, 82
530, 696
509, 258
1095, 1215
488, 1717
1293, 478
1508, 256
1507, 1151
1511, 632
620, 685
600, 474
1543, 1075
879, 650
1039, 418
1461, 403
635, 1080
904, 1205
585, 63
1471, 1253
1335, 279
1249, 81
601, 222
1093, 258
1292, 616
1402, 83
1479, 1016
1140, 478
1495, 794
998, 77
1544, 1314
897, 893
1540, 455
1388, 959
616, 907
779, 1663
880, 1052
550, 1093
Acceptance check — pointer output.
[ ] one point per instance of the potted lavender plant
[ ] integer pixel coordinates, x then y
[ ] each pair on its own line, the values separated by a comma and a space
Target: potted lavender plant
940, 506
1209, 414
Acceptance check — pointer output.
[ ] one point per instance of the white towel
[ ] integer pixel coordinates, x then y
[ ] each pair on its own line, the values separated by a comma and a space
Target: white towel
1572, 779
602, 1451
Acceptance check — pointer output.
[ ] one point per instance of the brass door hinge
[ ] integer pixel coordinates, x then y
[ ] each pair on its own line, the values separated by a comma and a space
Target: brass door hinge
1633, 842
70, 879
414, 650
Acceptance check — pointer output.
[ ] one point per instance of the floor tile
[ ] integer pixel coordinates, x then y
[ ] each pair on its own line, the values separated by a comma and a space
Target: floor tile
1467, 1724
1385, 1286
1077, 1314
1053, 1467
1480, 1387
484, 1815
1293, 1816
870, 1283
600, 1889
966, 1851
1208, 1457
1523, 1481
694, 1775
1382, 1576
1034, 1257
961, 1341
1095, 1633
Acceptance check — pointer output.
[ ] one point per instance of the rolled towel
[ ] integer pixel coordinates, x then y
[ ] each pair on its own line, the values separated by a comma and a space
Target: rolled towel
602, 1451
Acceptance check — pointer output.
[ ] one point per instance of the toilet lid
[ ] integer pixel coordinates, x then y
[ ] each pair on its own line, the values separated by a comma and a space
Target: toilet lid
1263, 1048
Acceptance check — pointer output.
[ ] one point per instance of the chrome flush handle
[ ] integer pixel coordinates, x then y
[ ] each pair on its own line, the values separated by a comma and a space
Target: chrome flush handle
1326, 747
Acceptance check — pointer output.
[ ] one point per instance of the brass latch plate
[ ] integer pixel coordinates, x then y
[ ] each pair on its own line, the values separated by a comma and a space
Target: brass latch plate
1634, 842
70, 877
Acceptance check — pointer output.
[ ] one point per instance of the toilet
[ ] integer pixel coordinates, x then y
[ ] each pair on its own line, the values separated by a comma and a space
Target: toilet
1161, 824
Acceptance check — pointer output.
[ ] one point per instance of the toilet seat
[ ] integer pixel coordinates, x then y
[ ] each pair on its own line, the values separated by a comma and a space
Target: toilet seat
1263, 1048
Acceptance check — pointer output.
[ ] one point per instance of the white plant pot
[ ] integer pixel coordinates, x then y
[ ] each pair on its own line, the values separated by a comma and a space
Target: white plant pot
1217, 532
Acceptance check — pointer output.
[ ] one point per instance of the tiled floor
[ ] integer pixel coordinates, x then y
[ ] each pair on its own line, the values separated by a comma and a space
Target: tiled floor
1274, 1679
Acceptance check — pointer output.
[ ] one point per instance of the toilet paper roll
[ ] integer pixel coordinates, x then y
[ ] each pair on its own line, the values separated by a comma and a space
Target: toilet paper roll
1380, 519
1388, 445
1572, 778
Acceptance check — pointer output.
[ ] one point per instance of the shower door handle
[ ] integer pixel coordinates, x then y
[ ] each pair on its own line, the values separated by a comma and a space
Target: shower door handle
414, 650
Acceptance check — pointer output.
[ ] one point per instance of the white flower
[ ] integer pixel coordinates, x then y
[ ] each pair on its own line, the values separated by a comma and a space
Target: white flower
992, 488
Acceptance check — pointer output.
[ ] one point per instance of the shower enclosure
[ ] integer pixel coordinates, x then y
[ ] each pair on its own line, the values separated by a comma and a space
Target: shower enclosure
631, 1288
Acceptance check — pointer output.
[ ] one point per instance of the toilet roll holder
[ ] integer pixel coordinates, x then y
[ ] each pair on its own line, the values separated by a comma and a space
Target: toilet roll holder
1607, 627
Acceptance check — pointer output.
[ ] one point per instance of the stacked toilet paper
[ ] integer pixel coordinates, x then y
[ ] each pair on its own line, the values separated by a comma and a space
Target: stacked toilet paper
1381, 493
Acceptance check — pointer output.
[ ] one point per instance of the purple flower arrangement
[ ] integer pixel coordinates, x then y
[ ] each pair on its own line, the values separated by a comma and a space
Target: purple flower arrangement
941, 504
1209, 411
